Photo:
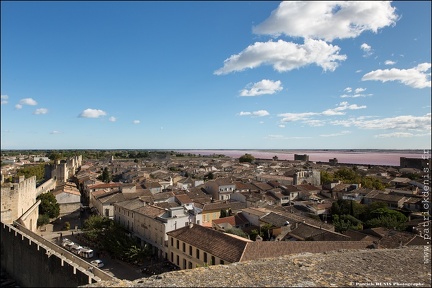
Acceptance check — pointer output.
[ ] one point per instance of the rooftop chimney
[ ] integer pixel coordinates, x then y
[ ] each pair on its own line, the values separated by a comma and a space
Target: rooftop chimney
190, 224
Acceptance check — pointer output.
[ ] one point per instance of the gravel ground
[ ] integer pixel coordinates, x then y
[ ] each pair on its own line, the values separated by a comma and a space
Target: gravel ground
403, 267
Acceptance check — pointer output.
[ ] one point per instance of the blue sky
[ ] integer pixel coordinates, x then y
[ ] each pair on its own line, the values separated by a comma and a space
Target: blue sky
215, 75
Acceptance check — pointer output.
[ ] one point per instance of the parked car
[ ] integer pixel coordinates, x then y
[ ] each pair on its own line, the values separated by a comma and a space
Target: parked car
86, 252
98, 263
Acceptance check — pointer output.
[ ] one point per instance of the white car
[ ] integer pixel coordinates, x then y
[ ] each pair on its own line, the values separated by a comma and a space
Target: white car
98, 263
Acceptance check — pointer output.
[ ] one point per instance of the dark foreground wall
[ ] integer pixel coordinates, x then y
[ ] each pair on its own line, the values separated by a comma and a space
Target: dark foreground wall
33, 264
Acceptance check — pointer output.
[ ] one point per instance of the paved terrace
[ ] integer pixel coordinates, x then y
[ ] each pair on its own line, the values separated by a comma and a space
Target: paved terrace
403, 267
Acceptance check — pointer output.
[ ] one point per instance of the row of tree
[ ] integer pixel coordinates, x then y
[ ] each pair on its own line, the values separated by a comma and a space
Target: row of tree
348, 214
97, 229
351, 176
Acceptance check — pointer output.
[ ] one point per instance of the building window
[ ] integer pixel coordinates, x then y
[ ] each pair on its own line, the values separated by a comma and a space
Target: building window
190, 250
178, 245
172, 242
172, 257
205, 257
197, 253
178, 260
184, 247
213, 260
190, 265
184, 264
222, 262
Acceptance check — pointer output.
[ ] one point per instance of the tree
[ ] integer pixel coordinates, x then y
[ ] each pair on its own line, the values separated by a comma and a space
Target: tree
326, 177
49, 205
266, 232
105, 176
247, 158
253, 234
43, 219
54, 156
32, 170
345, 222
209, 176
223, 213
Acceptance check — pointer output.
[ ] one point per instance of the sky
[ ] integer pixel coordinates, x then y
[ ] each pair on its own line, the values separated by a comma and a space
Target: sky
215, 75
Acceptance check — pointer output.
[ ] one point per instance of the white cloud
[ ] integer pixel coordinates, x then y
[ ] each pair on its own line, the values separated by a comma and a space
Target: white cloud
291, 117
405, 122
55, 132
366, 49
92, 113
327, 20
357, 94
284, 56
394, 135
415, 77
28, 101
306, 116
259, 113
40, 111
281, 126
18, 106
389, 62
112, 119
262, 87
342, 107
4, 99
336, 134
314, 123
136, 122
348, 90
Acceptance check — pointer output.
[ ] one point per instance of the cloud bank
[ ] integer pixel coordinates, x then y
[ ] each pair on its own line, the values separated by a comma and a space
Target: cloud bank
284, 56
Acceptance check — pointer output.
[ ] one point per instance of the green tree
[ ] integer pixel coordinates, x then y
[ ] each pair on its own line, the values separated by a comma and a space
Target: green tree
247, 158
49, 205
105, 176
265, 232
32, 170
54, 156
253, 234
209, 176
326, 177
138, 254
223, 213
43, 219
367, 213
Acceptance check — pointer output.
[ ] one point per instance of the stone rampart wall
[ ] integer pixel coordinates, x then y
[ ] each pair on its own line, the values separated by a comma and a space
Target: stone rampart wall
36, 262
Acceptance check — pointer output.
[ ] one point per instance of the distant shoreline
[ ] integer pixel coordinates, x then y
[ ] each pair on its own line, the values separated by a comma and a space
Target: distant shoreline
347, 156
